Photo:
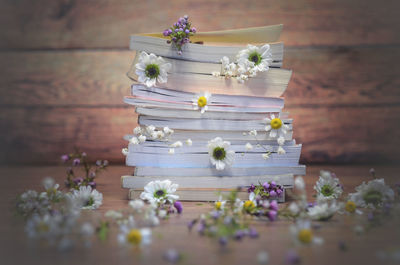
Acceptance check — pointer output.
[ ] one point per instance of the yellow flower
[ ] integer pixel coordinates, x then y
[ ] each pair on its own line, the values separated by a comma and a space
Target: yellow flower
305, 236
218, 205
350, 207
202, 101
134, 237
248, 205
276, 123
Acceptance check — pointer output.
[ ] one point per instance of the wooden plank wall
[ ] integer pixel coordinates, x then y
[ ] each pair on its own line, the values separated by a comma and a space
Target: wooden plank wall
63, 65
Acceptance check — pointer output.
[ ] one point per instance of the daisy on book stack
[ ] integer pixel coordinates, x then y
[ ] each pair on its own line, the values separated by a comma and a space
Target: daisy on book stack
210, 111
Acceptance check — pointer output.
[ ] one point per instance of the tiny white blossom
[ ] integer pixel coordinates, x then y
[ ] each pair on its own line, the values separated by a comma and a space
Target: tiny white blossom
134, 140
171, 151
266, 156
253, 132
176, 144
137, 130
281, 140
168, 131
248, 147
189, 142
142, 139
281, 151
125, 151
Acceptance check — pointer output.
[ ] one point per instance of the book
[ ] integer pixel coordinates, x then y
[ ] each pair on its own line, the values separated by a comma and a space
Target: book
193, 173
231, 136
222, 100
195, 52
209, 182
199, 160
149, 103
253, 35
271, 84
206, 195
205, 68
195, 114
207, 124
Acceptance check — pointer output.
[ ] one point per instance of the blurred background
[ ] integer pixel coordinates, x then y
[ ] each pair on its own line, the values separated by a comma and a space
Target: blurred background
63, 66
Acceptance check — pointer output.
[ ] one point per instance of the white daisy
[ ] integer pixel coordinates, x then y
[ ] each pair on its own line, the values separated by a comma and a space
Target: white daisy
302, 233
275, 126
248, 146
160, 191
130, 235
219, 152
151, 69
201, 101
372, 194
220, 204
87, 197
257, 58
328, 187
323, 211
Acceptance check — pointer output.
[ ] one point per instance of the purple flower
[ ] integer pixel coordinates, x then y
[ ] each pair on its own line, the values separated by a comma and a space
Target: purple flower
201, 228
274, 205
273, 184
92, 184
194, 30
186, 17
92, 174
251, 188
78, 180
239, 235
191, 224
215, 214
253, 233
172, 255
272, 215
178, 206
65, 158
76, 162
292, 257
187, 31
223, 241
266, 185
279, 191
165, 32
174, 39
272, 193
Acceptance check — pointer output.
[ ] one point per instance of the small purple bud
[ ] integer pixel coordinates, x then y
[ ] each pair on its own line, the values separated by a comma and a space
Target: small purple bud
174, 39
223, 241
187, 31
172, 256
251, 188
76, 162
65, 158
92, 174
191, 224
77, 180
169, 31
266, 185
253, 233
292, 257
273, 184
274, 205
194, 30
272, 215
179, 52
201, 228
92, 184
178, 206
279, 191
186, 17
177, 30
70, 171
165, 32
272, 193
239, 235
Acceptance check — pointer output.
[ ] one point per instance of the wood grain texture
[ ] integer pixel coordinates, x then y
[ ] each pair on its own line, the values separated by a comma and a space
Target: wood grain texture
274, 237
58, 24
321, 76
335, 135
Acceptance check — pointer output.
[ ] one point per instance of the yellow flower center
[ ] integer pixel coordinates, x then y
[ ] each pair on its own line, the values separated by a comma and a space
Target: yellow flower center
276, 123
134, 237
202, 101
350, 207
218, 205
248, 205
305, 236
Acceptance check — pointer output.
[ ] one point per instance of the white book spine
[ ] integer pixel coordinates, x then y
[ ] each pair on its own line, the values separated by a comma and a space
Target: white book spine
234, 172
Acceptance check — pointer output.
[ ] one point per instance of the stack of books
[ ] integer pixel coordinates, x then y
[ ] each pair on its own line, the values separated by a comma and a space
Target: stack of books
204, 128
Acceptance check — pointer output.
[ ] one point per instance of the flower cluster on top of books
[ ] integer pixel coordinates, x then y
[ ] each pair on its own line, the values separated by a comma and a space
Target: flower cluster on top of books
248, 63
180, 32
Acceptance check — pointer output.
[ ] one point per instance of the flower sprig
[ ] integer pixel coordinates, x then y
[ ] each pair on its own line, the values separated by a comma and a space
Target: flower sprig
180, 32
74, 179
266, 190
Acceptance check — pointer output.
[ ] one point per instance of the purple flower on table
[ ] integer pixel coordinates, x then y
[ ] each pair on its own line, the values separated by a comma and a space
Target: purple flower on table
172, 255
253, 233
251, 188
239, 235
274, 205
191, 224
266, 186
223, 241
76, 162
65, 158
178, 206
292, 257
272, 193
201, 228
272, 215
92, 184
78, 180
194, 30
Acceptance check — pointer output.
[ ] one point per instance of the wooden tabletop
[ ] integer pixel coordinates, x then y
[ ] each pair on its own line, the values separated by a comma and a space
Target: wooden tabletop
274, 238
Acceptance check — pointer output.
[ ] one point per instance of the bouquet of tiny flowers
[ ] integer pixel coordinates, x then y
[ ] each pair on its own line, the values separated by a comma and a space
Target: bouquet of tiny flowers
267, 190
75, 181
180, 32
